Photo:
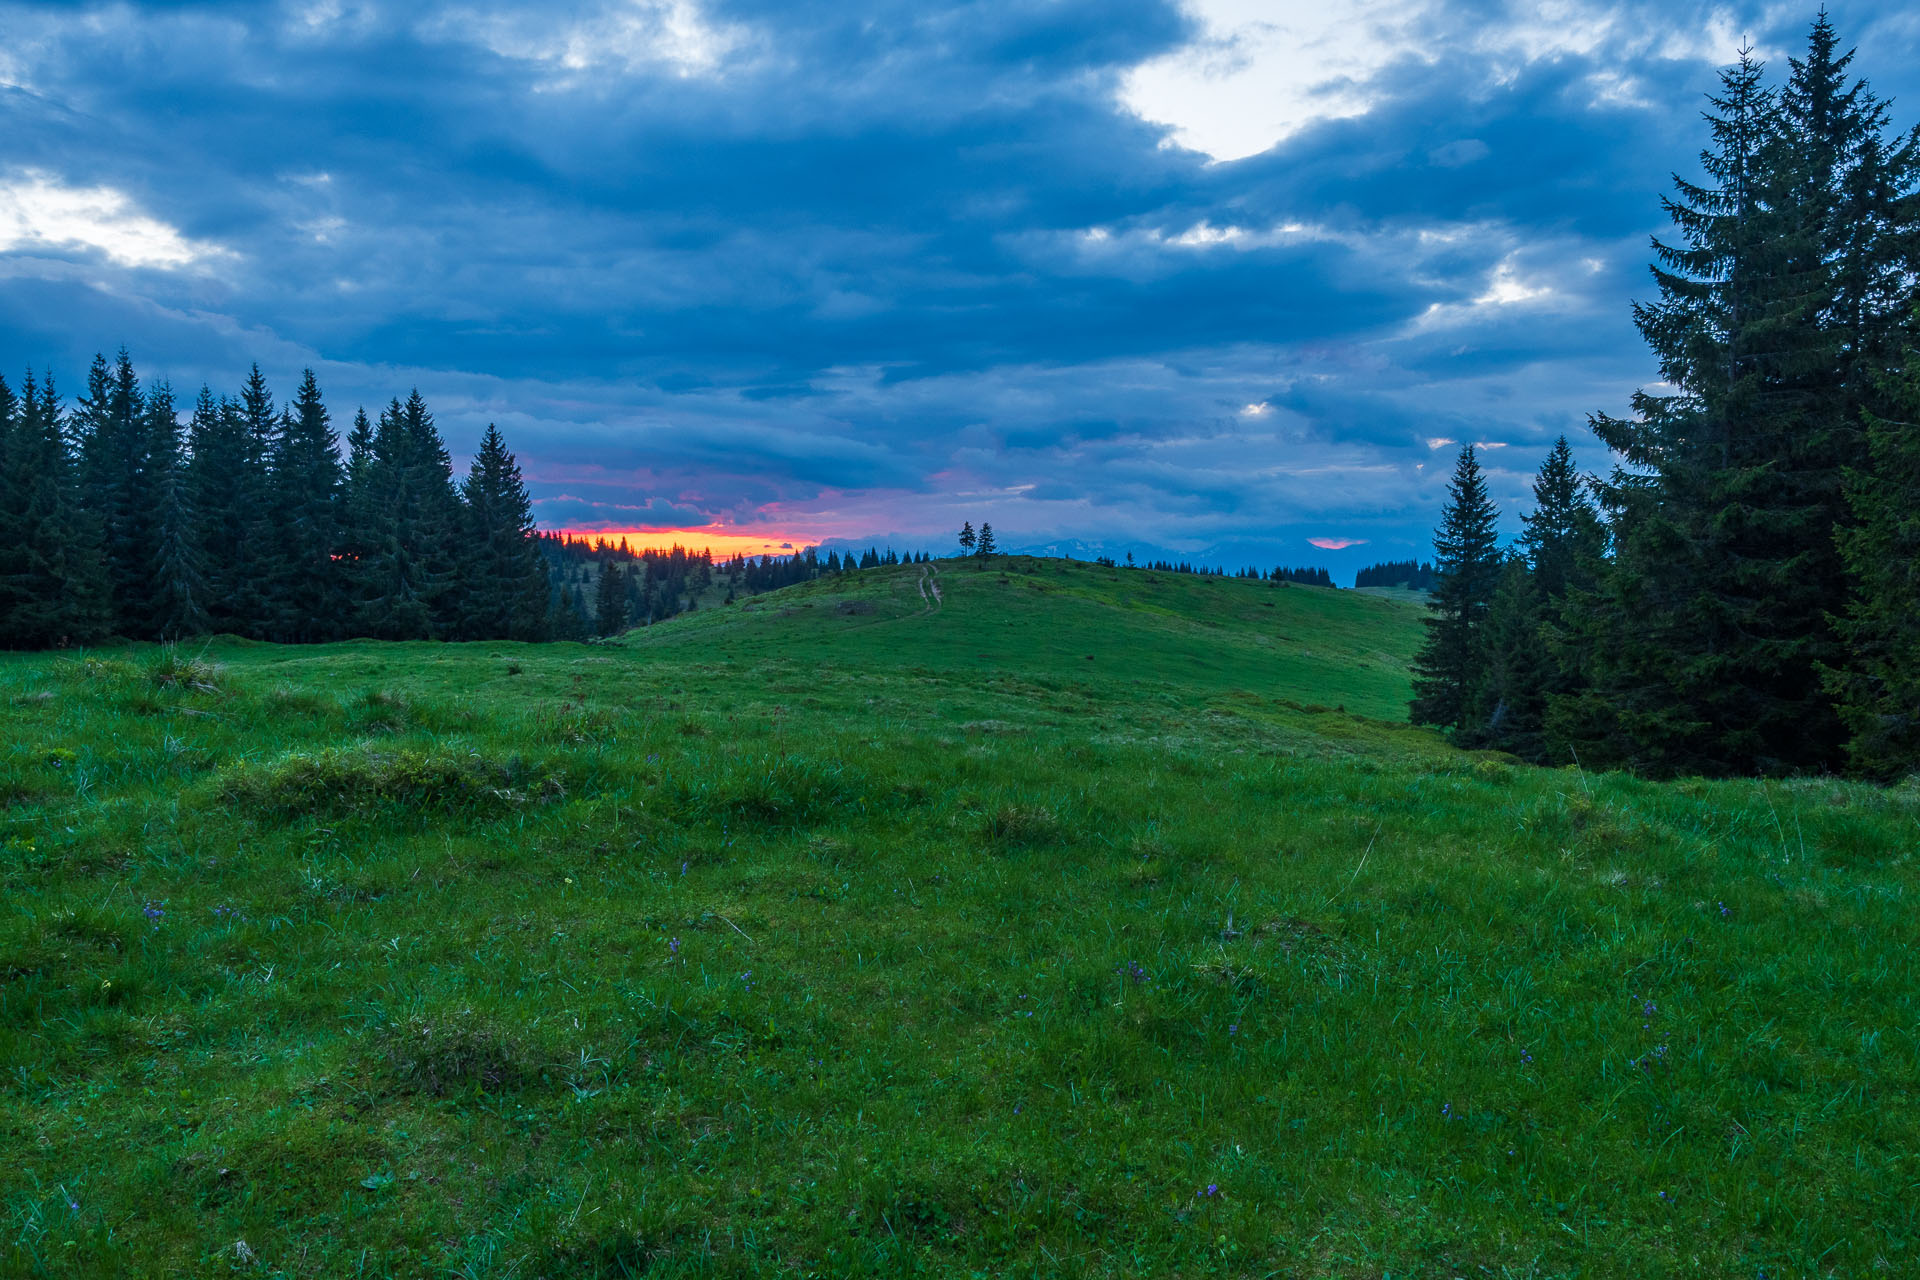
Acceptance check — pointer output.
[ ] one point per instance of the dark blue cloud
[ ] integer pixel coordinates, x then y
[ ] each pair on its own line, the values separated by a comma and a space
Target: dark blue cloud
828, 268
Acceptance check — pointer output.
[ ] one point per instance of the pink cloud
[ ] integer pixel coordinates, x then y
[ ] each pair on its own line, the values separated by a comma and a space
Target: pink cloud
1337, 544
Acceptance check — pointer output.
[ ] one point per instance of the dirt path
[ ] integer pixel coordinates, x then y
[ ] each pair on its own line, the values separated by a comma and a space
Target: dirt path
929, 585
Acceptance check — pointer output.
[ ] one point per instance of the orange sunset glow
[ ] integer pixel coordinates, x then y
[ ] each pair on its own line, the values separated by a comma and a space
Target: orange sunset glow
722, 543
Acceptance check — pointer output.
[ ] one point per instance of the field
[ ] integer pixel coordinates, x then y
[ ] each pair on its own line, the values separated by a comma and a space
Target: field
1074, 922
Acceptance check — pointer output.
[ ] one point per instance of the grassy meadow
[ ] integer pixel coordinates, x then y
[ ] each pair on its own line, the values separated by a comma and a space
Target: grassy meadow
1078, 922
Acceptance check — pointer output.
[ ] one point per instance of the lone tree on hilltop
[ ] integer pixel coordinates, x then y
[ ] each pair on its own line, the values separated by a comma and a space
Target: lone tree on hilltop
1468, 564
966, 537
986, 547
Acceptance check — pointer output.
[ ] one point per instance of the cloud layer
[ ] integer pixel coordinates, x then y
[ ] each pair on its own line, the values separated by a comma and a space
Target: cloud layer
1197, 278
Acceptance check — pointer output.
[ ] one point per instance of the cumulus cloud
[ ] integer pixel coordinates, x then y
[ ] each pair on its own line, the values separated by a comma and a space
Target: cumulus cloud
41, 213
1257, 73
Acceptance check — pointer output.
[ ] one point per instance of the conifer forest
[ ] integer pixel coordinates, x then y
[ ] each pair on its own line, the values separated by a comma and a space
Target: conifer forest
1741, 593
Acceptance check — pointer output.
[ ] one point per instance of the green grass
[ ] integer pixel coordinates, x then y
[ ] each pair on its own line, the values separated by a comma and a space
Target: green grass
824, 934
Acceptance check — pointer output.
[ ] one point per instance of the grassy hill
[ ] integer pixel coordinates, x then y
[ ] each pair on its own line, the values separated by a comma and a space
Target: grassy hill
1080, 922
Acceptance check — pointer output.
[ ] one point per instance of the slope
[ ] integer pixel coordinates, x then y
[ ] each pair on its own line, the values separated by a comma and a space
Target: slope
1064, 619
801, 939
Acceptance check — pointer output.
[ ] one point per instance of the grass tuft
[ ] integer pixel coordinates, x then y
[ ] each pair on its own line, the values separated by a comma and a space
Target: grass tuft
368, 779
172, 669
453, 1053
775, 791
1021, 826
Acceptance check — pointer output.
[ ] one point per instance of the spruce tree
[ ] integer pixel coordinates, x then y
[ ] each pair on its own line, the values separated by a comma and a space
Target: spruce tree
611, 612
251, 528
1685, 673
504, 593
309, 592
1447, 670
1563, 535
179, 586
436, 514
222, 487
986, 548
1709, 635
110, 425
414, 525
360, 531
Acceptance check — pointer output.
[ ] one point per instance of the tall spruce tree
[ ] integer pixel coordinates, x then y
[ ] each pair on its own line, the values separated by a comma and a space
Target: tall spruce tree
1706, 641
438, 519
179, 586
504, 592
1447, 672
409, 571
309, 593
1711, 638
222, 487
251, 528
110, 427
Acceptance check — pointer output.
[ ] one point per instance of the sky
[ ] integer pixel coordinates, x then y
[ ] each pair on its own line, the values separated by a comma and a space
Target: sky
1229, 280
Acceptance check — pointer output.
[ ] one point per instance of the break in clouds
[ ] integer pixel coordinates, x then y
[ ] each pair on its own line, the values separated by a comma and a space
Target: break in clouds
1219, 279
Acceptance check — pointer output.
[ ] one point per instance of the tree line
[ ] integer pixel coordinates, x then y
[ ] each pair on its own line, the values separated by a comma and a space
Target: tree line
117, 520
1415, 575
606, 587
1739, 595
